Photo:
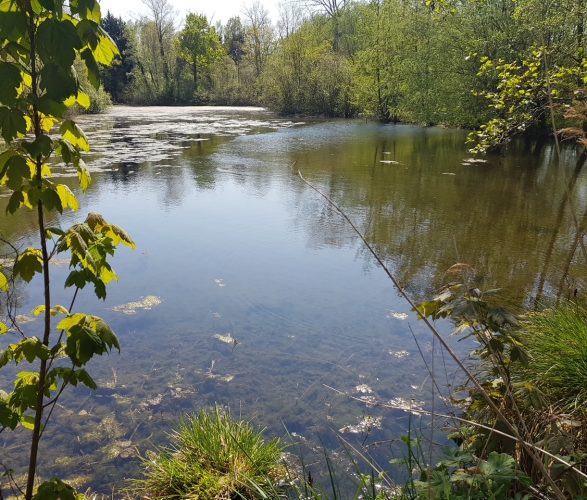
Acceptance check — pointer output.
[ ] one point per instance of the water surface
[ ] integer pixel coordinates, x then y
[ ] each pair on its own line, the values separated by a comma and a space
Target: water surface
235, 245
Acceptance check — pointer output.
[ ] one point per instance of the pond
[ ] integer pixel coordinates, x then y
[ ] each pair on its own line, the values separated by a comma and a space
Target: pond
249, 291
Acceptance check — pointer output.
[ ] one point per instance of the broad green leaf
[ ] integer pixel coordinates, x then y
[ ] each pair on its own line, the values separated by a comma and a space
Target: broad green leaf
87, 9
3, 329
27, 422
17, 171
12, 24
41, 146
11, 79
15, 201
70, 321
57, 41
84, 377
68, 199
12, 123
106, 50
58, 82
56, 489
92, 66
28, 264
51, 107
83, 175
72, 133
89, 32
83, 99
37, 311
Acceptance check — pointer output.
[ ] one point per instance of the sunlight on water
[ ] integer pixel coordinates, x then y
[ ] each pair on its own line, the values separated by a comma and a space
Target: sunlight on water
247, 290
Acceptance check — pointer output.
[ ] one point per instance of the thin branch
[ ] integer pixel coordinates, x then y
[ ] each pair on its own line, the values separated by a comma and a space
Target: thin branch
537, 461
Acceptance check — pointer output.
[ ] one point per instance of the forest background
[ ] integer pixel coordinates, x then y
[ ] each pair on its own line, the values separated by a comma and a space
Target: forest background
428, 62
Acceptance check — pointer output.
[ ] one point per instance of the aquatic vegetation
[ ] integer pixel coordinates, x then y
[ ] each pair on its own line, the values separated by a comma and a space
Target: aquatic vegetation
226, 339
213, 455
146, 304
364, 426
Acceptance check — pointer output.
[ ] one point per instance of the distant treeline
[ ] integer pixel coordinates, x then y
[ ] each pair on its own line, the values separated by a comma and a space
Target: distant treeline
406, 60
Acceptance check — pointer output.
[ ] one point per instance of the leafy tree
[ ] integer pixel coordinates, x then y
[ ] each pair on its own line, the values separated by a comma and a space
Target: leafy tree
118, 77
199, 45
40, 40
234, 42
259, 34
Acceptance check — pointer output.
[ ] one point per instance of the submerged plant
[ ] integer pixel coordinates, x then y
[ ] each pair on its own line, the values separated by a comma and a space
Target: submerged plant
212, 456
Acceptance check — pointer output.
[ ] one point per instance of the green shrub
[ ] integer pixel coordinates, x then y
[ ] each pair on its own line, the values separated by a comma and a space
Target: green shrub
556, 343
214, 456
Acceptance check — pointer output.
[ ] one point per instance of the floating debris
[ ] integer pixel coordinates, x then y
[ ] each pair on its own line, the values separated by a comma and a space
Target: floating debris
448, 173
226, 339
216, 315
370, 401
22, 319
396, 315
364, 389
220, 378
399, 354
219, 282
366, 425
390, 162
411, 406
147, 303
472, 161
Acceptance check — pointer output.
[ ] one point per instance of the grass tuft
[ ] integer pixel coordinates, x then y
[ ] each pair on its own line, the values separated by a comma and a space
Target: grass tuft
213, 456
556, 342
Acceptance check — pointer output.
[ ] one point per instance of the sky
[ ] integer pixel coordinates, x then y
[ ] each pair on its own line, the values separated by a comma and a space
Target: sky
215, 10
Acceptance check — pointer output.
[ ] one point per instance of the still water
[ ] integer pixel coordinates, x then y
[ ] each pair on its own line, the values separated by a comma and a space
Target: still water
233, 245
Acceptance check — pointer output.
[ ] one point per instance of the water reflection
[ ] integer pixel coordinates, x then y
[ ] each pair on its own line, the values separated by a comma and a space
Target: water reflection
236, 246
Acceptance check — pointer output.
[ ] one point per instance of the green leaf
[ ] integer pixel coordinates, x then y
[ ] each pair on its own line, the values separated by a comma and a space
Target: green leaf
4, 285
83, 175
48, 195
86, 9
68, 199
92, 66
41, 146
17, 171
51, 107
57, 41
12, 25
28, 264
12, 123
84, 377
3, 329
106, 50
75, 135
15, 202
58, 82
11, 80
83, 99
27, 422
56, 489
71, 321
